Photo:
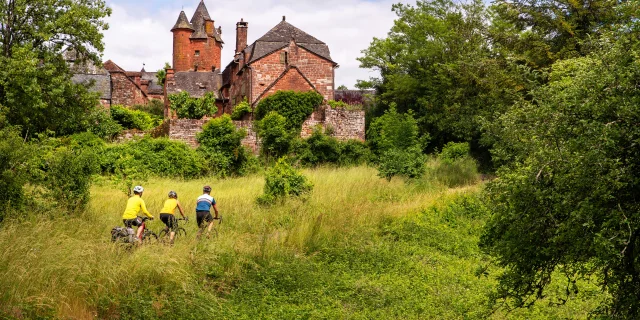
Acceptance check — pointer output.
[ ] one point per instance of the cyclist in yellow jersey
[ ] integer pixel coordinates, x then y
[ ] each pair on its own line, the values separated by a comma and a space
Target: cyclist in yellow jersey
135, 204
167, 214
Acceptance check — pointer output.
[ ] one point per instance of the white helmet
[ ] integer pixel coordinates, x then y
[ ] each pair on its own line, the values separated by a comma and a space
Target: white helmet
138, 189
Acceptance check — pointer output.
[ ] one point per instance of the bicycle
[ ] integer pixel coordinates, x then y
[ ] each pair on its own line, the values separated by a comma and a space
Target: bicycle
127, 235
180, 231
214, 230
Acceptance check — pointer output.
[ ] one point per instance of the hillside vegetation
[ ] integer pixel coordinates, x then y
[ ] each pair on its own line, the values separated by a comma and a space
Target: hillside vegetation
359, 247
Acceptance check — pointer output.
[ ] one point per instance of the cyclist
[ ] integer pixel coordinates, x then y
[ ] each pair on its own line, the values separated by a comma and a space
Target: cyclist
135, 204
203, 210
167, 214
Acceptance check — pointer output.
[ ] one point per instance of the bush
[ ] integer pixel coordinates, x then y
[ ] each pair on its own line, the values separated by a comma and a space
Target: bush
67, 176
221, 145
15, 157
319, 148
455, 173
354, 152
453, 151
296, 107
161, 157
155, 107
240, 110
397, 162
103, 125
134, 119
274, 137
282, 181
187, 107
394, 130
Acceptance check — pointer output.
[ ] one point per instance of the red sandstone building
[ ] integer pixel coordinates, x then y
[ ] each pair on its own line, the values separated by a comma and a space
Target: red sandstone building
285, 58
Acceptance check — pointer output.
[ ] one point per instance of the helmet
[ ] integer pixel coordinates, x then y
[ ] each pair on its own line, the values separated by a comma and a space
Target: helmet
138, 189
173, 194
206, 189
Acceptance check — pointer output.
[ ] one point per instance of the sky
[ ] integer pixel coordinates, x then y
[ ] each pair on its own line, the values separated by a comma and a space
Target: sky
139, 30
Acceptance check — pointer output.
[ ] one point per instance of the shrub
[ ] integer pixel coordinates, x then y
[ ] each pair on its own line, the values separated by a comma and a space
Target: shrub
14, 166
337, 104
394, 130
133, 119
103, 125
154, 107
282, 181
408, 163
187, 107
354, 152
240, 110
67, 176
319, 148
455, 173
221, 145
453, 151
296, 107
160, 156
274, 137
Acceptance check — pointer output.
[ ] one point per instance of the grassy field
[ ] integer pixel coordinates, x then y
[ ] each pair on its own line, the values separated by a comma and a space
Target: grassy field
359, 248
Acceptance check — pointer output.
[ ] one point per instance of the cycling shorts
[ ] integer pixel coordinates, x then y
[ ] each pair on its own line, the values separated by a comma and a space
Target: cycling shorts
135, 222
203, 216
169, 220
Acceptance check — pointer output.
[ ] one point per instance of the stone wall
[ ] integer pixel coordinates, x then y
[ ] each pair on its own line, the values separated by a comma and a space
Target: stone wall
185, 130
344, 125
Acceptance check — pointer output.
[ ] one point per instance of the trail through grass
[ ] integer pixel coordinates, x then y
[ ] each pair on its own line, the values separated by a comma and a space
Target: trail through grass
358, 248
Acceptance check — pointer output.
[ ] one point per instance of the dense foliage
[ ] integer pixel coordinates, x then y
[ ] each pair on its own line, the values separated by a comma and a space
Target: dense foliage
394, 138
155, 107
221, 146
437, 62
282, 181
275, 138
240, 110
296, 107
35, 81
187, 107
134, 119
567, 200
321, 148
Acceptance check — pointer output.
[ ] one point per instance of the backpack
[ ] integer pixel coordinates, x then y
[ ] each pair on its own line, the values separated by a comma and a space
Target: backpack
122, 233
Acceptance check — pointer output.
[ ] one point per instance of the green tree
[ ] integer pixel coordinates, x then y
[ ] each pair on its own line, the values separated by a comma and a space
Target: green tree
567, 199
275, 138
395, 139
15, 155
342, 87
221, 144
35, 81
537, 33
161, 74
438, 62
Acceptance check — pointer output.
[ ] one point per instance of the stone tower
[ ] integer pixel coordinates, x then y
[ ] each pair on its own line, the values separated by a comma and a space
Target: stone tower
197, 44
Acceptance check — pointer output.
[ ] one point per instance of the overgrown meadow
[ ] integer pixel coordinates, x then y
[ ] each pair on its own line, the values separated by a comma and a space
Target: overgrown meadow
358, 247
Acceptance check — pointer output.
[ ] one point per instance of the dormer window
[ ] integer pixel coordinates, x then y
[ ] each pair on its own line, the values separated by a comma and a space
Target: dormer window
197, 53
284, 57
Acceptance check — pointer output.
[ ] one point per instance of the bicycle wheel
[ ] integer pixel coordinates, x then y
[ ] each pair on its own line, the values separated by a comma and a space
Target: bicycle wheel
181, 232
149, 237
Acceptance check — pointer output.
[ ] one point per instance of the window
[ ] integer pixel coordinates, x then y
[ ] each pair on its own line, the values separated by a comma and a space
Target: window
284, 57
197, 53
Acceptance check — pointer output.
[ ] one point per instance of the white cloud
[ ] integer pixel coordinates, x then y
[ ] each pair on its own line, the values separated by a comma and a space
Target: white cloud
347, 26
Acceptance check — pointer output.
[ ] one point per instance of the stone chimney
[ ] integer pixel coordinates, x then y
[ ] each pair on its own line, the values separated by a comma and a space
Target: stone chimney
209, 27
169, 75
242, 28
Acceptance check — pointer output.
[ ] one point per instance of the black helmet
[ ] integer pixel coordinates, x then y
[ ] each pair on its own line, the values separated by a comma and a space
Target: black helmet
173, 194
206, 189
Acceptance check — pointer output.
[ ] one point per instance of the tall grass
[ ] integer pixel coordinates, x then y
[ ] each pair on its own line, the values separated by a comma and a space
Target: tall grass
358, 247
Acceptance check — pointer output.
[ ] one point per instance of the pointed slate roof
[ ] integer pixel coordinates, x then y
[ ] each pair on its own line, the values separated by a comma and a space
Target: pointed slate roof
182, 22
201, 13
280, 36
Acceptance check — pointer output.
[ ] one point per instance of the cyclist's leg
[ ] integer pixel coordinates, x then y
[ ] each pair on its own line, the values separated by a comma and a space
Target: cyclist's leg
172, 227
138, 223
